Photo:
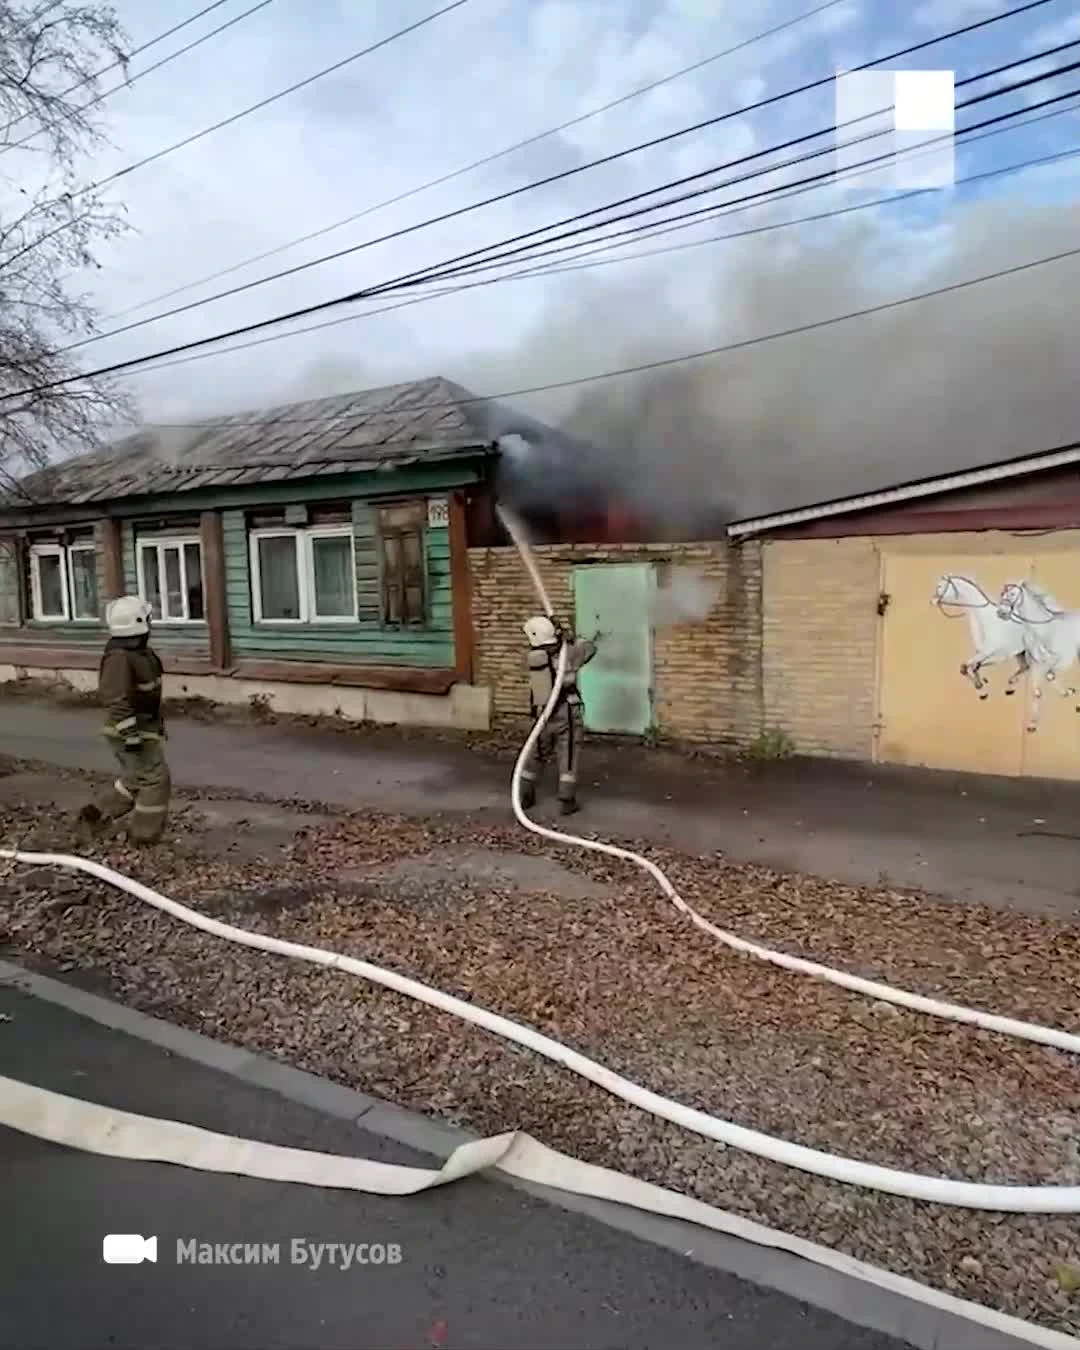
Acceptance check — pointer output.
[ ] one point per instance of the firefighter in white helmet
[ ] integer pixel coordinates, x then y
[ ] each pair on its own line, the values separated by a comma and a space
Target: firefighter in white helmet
129, 688
564, 731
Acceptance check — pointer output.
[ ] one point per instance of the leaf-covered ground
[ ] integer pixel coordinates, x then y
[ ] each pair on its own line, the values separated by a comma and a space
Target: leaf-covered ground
587, 950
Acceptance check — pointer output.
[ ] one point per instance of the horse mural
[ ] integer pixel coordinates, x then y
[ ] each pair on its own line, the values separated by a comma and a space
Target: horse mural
1053, 630
995, 636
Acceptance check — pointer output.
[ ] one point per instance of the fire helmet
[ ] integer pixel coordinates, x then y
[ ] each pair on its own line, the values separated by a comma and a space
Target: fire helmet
129, 616
540, 631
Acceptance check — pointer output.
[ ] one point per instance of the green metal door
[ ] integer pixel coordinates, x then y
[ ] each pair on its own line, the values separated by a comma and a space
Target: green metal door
612, 603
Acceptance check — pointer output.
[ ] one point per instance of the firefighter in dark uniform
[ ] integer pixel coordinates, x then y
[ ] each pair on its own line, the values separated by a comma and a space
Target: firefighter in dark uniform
564, 731
129, 688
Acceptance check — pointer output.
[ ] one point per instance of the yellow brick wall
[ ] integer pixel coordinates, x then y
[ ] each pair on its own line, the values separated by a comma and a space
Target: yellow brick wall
821, 632
707, 675
819, 638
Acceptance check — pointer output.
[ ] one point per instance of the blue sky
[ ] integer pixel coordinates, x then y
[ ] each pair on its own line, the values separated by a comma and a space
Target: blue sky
472, 83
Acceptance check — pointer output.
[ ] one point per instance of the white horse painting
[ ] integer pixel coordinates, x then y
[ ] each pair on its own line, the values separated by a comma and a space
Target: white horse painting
995, 636
1052, 629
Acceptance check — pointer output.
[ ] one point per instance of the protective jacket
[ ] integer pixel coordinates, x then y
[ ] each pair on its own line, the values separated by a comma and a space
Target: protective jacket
129, 687
543, 663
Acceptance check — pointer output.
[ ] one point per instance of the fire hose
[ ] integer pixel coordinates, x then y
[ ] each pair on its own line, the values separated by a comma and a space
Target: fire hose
101, 1129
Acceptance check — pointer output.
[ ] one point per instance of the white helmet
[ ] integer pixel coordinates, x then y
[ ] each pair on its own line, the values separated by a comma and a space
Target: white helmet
540, 631
129, 616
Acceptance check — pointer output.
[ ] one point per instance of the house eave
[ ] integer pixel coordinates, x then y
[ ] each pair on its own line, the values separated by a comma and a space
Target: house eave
1062, 457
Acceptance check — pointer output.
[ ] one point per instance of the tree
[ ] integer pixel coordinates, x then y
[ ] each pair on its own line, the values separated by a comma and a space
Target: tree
52, 57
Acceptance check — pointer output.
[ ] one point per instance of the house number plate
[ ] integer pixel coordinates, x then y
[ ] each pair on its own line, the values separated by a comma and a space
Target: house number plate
438, 513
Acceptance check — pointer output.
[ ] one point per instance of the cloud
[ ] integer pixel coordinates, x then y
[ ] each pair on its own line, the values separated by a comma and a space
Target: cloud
953, 13
789, 418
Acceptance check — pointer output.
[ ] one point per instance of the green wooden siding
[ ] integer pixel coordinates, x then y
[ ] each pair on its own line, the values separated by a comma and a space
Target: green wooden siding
186, 639
367, 642
34, 634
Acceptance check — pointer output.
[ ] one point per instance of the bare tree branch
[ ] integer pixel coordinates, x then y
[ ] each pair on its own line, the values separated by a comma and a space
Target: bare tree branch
49, 231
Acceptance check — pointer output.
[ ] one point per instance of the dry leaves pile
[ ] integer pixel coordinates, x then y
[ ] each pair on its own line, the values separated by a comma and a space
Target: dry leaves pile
588, 951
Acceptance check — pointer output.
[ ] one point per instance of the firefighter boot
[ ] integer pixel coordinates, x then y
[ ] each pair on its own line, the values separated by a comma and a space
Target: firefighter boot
568, 806
528, 795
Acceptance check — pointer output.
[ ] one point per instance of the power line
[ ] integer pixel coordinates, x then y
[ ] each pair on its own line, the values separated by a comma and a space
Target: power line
688, 220
127, 83
282, 93
459, 263
203, 342
667, 362
484, 160
120, 61
265, 102
596, 163
468, 262
550, 269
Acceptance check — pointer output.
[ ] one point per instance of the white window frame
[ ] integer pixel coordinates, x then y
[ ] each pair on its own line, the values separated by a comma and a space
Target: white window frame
161, 542
37, 552
80, 546
305, 572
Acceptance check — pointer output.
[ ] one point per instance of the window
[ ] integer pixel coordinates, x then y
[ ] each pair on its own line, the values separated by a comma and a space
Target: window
303, 575
171, 579
82, 573
403, 575
63, 582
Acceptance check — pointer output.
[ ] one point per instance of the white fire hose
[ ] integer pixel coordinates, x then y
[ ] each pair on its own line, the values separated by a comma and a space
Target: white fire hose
100, 1129
884, 993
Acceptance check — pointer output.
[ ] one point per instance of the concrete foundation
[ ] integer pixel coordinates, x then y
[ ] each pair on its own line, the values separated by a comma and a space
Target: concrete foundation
466, 707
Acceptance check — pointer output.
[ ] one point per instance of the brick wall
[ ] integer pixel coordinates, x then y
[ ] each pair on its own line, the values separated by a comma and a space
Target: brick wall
819, 638
707, 675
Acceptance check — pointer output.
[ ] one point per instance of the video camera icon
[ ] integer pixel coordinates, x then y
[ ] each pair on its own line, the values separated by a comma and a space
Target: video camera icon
128, 1249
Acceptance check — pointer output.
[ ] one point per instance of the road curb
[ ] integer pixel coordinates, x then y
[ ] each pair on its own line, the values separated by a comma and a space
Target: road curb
922, 1325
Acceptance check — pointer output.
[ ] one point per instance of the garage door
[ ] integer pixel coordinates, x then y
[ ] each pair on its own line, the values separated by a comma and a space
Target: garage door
929, 714
1054, 750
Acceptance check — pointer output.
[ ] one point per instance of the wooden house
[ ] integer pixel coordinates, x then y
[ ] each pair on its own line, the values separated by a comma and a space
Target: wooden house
313, 556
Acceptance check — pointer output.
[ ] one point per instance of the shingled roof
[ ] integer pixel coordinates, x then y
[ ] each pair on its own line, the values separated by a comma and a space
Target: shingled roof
422, 422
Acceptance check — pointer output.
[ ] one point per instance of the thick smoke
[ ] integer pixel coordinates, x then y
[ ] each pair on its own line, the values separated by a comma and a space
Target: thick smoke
967, 378
686, 596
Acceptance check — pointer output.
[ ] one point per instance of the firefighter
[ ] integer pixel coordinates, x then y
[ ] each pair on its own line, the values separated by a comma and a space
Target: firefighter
564, 730
129, 688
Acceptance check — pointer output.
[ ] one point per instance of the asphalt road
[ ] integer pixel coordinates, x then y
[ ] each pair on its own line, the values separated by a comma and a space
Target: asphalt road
1012, 844
481, 1265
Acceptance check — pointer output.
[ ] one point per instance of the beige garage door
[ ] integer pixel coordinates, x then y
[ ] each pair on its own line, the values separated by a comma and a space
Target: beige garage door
930, 714
1054, 750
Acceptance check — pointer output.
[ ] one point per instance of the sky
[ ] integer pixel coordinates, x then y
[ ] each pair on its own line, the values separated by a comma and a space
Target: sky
979, 374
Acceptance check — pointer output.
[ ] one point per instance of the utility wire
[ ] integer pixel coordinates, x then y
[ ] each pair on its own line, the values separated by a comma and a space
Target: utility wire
265, 102
606, 159
689, 220
143, 361
467, 262
276, 337
165, 60
282, 93
120, 61
685, 357
482, 162
456, 265
550, 269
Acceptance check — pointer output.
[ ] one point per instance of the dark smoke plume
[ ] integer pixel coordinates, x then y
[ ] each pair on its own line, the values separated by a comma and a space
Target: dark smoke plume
970, 377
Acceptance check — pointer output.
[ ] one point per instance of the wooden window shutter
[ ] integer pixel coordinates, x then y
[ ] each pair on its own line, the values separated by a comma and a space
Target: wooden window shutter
393, 579
401, 542
413, 544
